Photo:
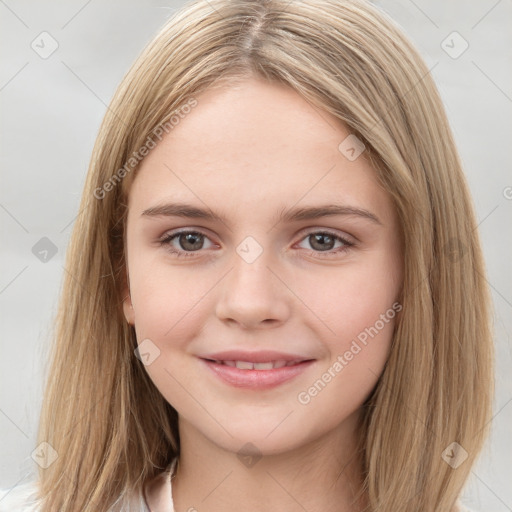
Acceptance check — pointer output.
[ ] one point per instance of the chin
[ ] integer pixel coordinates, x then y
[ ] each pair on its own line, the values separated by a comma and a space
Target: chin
269, 433
253, 443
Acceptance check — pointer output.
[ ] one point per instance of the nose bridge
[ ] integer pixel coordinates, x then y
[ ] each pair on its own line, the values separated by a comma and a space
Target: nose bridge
251, 292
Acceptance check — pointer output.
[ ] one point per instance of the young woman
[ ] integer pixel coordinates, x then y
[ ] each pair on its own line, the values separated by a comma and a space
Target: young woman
276, 296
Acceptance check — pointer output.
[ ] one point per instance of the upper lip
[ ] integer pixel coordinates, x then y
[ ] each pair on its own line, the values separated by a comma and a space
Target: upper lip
261, 356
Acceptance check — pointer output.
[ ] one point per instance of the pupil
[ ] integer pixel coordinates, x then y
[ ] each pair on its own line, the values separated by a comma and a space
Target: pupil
189, 238
322, 246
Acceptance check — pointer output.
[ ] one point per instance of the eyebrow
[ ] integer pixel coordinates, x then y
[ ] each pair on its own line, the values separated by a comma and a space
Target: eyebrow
294, 214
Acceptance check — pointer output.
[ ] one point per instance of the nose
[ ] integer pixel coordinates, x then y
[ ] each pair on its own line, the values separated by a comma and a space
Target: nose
253, 295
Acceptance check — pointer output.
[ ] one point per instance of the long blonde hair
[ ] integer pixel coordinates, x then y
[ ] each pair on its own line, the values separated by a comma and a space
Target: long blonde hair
108, 423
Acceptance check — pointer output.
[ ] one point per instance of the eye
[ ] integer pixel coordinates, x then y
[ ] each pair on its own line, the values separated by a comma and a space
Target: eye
325, 241
188, 241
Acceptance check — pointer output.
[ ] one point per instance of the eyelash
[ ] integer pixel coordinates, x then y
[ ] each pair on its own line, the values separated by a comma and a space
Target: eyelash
171, 236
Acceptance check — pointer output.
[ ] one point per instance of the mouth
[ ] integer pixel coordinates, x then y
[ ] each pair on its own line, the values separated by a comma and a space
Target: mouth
248, 365
256, 375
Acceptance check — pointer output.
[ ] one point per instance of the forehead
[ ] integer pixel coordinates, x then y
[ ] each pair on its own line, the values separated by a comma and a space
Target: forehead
254, 145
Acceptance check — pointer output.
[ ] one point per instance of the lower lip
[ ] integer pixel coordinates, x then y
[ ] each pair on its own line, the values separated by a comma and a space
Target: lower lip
256, 379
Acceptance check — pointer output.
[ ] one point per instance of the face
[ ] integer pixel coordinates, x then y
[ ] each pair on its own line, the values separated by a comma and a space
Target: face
267, 278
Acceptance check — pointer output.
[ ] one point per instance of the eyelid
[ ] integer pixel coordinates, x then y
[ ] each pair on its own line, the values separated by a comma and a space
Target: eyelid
304, 232
168, 236
351, 239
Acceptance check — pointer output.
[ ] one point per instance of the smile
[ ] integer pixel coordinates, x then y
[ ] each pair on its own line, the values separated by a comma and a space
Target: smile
247, 365
256, 376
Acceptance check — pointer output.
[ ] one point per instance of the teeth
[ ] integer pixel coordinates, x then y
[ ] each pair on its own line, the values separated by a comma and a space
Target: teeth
244, 365
264, 366
270, 365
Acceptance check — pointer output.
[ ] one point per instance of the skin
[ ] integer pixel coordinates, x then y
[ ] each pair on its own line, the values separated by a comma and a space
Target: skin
248, 153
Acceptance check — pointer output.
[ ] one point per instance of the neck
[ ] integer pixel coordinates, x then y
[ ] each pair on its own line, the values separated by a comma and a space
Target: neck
324, 475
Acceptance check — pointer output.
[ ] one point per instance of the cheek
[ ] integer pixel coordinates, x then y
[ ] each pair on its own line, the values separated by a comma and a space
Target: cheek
167, 304
166, 299
358, 311
353, 299
358, 355
359, 349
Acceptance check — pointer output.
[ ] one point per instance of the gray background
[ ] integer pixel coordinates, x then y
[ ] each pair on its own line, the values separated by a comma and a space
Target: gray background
51, 111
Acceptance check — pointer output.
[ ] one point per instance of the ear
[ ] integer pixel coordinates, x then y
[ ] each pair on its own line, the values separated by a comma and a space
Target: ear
128, 311
129, 314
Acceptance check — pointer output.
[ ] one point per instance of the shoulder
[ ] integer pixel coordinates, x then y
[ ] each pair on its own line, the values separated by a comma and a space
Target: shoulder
21, 498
